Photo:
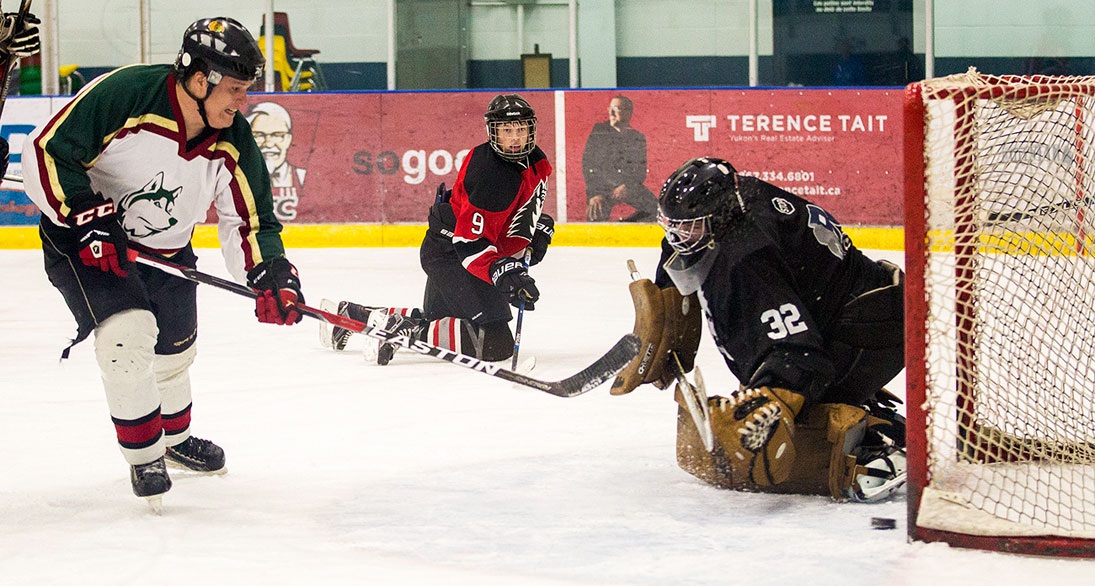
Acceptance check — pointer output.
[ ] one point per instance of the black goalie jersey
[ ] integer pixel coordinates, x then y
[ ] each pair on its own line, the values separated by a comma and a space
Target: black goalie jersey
779, 282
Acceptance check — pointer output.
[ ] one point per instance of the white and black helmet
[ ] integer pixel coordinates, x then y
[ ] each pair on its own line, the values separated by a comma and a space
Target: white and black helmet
506, 109
219, 47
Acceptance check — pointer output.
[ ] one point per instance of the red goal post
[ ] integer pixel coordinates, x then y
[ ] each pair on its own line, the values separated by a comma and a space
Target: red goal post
1000, 302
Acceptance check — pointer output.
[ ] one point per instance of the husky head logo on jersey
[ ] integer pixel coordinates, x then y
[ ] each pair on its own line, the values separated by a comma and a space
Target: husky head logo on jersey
147, 211
827, 231
524, 221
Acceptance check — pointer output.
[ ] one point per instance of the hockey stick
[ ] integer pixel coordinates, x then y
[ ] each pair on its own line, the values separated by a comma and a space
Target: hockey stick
695, 400
591, 377
520, 319
9, 59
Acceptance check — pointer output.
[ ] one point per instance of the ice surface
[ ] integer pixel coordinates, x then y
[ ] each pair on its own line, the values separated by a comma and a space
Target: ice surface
420, 472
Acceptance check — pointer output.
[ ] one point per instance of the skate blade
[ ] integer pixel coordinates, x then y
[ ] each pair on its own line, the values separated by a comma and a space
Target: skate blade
155, 502
526, 365
371, 351
325, 329
185, 471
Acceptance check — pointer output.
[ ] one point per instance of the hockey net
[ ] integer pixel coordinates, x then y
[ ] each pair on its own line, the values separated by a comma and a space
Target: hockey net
1000, 262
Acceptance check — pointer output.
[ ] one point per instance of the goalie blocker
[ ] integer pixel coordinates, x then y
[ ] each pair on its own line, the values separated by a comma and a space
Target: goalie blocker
665, 322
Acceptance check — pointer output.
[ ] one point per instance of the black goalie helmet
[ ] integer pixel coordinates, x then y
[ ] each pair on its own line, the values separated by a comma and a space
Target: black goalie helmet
219, 47
698, 202
510, 111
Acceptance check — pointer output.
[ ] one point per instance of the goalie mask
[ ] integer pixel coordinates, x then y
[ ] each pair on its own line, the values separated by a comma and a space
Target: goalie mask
696, 206
508, 117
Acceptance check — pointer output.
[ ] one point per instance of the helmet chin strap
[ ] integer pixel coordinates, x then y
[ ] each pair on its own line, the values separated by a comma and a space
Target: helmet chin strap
200, 101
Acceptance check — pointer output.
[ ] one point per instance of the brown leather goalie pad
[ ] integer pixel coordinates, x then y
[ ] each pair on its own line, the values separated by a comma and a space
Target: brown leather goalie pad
825, 435
665, 321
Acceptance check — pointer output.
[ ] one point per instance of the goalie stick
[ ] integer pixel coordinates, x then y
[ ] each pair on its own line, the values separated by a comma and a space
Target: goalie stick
694, 395
695, 400
591, 377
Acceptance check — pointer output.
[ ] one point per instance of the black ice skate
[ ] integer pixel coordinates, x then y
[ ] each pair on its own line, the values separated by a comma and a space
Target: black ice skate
340, 336
197, 455
400, 325
150, 481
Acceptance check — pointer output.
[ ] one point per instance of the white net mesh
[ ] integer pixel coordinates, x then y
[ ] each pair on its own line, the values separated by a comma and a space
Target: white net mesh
1010, 292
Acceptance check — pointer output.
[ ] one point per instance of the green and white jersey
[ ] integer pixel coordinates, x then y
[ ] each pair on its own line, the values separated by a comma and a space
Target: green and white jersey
124, 136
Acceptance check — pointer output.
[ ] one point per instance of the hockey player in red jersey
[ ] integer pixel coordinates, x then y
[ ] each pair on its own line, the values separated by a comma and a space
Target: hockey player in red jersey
473, 253
135, 160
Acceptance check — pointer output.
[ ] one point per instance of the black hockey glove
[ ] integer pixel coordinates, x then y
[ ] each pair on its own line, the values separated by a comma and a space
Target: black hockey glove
541, 238
23, 41
101, 241
276, 279
512, 279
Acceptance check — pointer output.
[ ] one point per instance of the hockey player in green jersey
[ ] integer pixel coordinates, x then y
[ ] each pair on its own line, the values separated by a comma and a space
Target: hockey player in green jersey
134, 161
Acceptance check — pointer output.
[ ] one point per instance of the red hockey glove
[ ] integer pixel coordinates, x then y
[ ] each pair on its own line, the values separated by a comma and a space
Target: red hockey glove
512, 279
541, 238
277, 281
100, 238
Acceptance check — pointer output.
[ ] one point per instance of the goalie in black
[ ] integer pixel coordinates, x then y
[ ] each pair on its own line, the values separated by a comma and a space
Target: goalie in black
810, 326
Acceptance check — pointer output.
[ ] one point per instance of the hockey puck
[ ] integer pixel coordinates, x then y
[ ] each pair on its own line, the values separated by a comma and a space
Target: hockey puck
883, 523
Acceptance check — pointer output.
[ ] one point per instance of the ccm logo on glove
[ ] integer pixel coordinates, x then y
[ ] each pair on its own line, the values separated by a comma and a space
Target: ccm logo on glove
100, 239
100, 211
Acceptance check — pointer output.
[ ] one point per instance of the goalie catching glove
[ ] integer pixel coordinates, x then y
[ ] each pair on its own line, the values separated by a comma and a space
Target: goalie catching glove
759, 432
279, 291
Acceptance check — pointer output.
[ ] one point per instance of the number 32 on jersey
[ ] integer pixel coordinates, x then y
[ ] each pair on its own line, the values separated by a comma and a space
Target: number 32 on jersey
783, 321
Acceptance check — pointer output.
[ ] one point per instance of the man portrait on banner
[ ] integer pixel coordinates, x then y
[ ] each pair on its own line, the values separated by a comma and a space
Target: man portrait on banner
614, 167
273, 130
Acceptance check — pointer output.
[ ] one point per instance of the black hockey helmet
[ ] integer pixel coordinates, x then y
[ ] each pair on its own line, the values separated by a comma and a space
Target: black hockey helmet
219, 47
698, 202
506, 109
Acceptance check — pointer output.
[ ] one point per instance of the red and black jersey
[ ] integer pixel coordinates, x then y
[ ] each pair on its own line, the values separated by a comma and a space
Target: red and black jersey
496, 204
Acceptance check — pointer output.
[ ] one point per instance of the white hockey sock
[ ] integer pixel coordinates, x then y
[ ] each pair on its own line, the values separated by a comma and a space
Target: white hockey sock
173, 380
124, 348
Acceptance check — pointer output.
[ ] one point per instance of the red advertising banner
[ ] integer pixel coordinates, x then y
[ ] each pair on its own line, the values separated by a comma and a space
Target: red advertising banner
377, 158
373, 157
838, 148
